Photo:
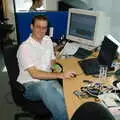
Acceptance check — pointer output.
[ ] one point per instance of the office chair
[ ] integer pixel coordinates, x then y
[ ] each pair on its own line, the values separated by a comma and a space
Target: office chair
34, 109
92, 111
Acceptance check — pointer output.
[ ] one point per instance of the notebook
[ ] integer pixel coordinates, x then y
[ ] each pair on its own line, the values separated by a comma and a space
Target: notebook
106, 56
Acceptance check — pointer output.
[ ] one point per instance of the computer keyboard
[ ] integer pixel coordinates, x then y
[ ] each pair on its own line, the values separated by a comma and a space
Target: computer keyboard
82, 53
90, 66
70, 48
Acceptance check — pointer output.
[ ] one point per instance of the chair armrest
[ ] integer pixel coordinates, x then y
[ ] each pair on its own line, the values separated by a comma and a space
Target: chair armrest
20, 87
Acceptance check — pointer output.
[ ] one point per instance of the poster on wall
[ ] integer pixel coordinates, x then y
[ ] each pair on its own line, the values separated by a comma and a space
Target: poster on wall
30, 5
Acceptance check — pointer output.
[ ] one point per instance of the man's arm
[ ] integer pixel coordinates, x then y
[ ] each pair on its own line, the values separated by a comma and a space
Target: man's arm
38, 74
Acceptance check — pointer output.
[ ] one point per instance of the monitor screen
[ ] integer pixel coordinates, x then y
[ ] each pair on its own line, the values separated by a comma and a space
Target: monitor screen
82, 26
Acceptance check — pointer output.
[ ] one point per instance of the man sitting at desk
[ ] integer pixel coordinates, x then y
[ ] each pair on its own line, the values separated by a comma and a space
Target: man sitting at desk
35, 57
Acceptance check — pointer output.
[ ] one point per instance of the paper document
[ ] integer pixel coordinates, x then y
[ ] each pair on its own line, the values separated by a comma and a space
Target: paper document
109, 99
70, 48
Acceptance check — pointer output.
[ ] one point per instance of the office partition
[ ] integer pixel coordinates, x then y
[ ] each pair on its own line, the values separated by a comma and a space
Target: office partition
57, 20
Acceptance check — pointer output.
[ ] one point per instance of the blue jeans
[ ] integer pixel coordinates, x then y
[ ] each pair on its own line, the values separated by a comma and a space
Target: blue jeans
50, 92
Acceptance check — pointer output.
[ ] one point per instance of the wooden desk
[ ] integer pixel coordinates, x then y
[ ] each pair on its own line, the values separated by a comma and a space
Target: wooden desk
72, 101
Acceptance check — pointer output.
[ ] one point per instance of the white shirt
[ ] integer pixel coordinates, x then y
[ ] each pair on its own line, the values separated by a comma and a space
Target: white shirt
34, 53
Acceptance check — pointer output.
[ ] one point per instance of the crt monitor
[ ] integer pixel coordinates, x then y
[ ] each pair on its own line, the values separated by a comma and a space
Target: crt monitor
87, 27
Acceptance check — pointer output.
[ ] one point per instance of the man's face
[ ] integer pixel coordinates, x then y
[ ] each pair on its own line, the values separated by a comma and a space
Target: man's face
40, 2
39, 29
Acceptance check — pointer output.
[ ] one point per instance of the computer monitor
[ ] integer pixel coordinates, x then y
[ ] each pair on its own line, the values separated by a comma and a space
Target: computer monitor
87, 27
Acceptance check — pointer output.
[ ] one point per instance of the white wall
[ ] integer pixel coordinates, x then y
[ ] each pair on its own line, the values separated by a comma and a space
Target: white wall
111, 7
115, 15
52, 4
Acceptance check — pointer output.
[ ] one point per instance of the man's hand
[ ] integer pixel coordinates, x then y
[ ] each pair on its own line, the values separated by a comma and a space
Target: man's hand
67, 75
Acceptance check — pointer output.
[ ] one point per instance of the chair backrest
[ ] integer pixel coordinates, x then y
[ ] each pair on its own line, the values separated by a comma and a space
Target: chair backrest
10, 60
92, 111
11, 63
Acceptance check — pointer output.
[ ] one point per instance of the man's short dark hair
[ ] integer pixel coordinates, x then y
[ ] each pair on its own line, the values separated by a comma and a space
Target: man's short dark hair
34, 1
39, 17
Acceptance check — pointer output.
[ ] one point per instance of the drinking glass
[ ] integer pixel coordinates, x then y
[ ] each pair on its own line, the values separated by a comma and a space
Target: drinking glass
103, 72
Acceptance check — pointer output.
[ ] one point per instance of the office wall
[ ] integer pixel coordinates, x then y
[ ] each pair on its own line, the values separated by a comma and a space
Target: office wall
115, 15
51, 4
112, 8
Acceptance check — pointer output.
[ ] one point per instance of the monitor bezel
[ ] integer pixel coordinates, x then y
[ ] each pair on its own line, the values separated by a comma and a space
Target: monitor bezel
92, 43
